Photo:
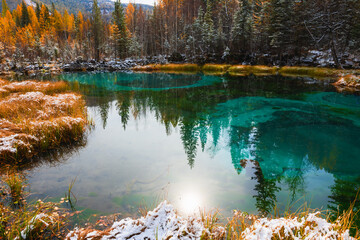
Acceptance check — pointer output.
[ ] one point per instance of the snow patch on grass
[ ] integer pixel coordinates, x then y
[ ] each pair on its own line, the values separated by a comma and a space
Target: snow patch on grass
37, 116
161, 223
308, 227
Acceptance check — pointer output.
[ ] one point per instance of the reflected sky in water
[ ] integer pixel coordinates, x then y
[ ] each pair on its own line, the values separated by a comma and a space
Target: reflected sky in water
243, 143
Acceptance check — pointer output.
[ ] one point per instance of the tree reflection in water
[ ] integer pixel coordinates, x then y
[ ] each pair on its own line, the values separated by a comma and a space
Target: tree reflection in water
273, 122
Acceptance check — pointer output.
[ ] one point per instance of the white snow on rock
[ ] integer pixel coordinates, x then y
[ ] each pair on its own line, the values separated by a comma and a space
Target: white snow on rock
311, 227
161, 223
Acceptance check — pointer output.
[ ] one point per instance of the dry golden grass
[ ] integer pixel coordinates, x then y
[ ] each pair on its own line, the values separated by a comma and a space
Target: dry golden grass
302, 224
245, 70
215, 68
310, 72
348, 83
168, 68
38, 116
22, 220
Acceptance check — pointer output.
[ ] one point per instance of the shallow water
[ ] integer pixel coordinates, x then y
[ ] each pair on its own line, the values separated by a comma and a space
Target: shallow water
246, 143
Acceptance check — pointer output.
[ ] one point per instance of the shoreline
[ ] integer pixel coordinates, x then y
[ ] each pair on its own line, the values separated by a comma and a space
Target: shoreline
345, 80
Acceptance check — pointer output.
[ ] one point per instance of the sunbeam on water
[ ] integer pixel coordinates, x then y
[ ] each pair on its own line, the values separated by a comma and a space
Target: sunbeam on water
190, 202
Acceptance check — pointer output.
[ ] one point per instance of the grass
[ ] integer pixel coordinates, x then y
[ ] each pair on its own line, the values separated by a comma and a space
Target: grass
296, 225
348, 82
37, 220
244, 70
301, 224
38, 116
309, 71
168, 68
215, 68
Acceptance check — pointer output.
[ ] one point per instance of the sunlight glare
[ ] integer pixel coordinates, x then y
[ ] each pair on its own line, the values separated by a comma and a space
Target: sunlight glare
190, 202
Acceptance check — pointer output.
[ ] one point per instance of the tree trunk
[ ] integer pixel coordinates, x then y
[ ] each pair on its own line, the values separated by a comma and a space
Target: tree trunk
334, 52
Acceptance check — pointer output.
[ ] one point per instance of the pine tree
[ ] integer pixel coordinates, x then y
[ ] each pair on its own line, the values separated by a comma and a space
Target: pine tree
242, 28
37, 10
5, 8
96, 29
121, 38
25, 19
355, 25
281, 26
208, 29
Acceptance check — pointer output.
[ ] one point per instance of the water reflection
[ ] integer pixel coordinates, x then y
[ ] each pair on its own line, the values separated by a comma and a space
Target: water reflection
283, 139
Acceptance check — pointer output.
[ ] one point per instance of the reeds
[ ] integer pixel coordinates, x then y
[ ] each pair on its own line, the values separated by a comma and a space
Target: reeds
37, 220
38, 116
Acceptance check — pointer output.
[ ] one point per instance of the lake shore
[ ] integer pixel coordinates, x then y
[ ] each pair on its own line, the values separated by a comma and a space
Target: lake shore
165, 223
49, 220
37, 117
161, 64
206, 227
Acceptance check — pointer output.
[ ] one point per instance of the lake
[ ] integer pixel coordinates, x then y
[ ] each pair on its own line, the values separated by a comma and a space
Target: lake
211, 142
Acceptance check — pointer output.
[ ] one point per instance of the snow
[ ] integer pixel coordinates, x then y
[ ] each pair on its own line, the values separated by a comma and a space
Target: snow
13, 142
30, 226
48, 108
161, 223
312, 227
9, 143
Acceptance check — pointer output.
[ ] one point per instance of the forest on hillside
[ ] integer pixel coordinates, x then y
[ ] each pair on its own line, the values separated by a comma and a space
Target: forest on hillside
272, 32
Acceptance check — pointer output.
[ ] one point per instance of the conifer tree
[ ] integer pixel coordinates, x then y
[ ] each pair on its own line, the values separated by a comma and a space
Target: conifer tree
37, 10
25, 19
280, 26
242, 28
96, 29
5, 8
121, 38
208, 29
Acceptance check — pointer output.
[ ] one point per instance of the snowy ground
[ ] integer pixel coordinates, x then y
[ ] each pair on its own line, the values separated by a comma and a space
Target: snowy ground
164, 223
161, 223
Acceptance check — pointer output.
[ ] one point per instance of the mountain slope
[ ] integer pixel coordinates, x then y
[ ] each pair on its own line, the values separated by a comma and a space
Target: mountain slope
74, 6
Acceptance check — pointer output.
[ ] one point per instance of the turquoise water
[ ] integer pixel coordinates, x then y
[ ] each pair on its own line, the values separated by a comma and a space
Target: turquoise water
246, 143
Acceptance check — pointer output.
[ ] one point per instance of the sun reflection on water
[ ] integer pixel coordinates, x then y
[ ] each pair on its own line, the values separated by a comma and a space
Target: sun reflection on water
190, 202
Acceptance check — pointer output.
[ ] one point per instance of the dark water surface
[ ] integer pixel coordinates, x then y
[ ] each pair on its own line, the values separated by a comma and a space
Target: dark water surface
246, 143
